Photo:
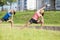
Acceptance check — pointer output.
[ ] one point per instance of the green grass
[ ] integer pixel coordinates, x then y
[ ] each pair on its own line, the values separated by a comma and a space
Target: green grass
50, 17
6, 33
15, 33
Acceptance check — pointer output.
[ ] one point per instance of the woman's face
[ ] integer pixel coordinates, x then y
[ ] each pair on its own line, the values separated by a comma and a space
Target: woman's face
42, 11
13, 12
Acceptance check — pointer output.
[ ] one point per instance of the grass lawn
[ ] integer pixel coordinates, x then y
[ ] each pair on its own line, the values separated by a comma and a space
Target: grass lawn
50, 17
7, 33
15, 33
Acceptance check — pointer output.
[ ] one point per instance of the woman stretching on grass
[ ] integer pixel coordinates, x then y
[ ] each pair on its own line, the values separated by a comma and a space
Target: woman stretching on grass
35, 18
8, 17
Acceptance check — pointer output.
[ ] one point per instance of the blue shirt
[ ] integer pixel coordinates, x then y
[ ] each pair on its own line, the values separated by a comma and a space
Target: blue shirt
7, 15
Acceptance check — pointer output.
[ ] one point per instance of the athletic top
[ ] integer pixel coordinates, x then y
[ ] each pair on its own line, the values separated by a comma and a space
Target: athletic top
36, 15
8, 14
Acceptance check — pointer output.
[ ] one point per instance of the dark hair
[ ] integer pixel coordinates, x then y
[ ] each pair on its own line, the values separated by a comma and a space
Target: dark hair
14, 13
42, 14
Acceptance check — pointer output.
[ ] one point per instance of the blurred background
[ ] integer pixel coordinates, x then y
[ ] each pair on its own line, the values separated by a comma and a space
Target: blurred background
20, 5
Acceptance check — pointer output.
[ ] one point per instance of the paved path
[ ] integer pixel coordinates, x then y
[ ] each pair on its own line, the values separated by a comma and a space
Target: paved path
55, 28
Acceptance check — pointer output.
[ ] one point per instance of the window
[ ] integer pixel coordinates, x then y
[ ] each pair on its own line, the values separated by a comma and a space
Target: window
57, 3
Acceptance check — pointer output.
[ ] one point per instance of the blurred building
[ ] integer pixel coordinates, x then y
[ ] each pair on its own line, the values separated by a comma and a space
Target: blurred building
22, 5
33, 5
54, 4
29, 4
8, 7
36, 4
57, 4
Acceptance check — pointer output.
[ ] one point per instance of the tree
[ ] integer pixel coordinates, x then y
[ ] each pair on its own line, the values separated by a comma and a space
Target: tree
10, 1
2, 2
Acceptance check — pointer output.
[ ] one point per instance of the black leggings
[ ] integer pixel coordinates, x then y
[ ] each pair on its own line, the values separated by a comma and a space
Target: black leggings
33, 21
